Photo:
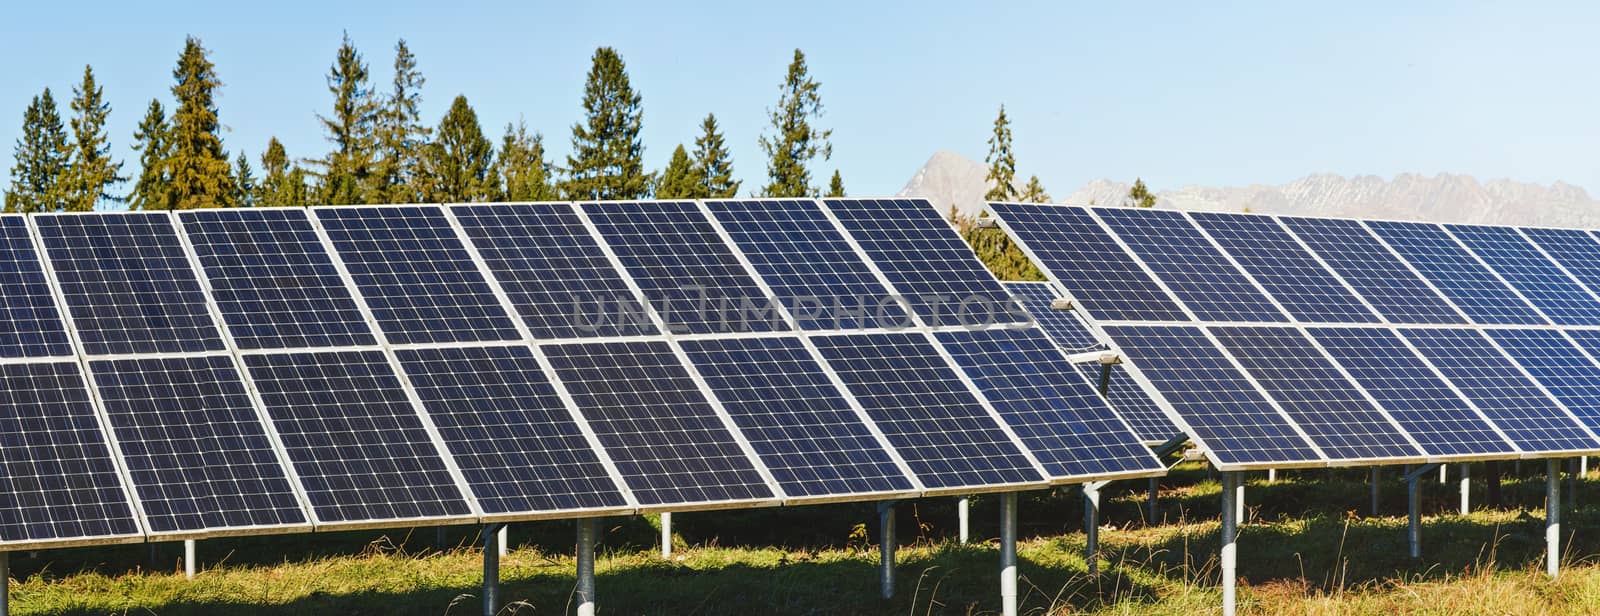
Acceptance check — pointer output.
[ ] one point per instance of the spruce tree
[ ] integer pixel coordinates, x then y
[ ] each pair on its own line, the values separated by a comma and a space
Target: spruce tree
521, 170
607, 160
1139, 195
245, 188
400, 135
92, 171
199, 171
1034, 192
273, 190
835, 186
713, 162
680, 179
795, 142
1002, 163
345, 171
153, 142
459, 158
41, 160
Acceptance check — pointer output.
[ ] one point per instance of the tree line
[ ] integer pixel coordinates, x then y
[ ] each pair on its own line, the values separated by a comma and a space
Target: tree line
381, 151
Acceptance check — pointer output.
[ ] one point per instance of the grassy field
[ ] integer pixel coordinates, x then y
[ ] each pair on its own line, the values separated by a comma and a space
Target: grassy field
1307, 550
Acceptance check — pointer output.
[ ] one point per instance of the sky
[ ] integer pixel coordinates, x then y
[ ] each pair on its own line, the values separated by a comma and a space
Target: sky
1212, 93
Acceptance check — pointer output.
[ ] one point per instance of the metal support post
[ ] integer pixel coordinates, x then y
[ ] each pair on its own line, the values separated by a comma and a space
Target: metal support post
963, 508
1155, 489
1572, 485
1492, 483
586, 538
1583, 466
1552, 517
1008, 554
1466, 488
1230, 536
1443, 479
666, 534
1374, 481
491, 568
1091, 526
1414, 507
188, 559
1272, 475
886, 545
504, 542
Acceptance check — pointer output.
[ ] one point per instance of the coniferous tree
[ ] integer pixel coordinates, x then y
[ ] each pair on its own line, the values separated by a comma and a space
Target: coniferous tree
680, 180
1034, 192
607, 160
400, 135
795, 142
199, 172
835, 186
346, 170
459, 158
153, 141
1139, 195
521, 170
284, 183
92, 171
1002, 163
245, 188
41, 160
713, 162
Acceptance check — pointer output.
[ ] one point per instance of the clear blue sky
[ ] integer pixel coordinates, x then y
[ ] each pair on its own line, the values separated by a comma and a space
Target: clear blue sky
1178, 93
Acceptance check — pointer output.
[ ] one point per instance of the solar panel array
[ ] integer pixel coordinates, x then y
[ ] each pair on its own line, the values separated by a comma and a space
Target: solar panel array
228, 372
1284, 341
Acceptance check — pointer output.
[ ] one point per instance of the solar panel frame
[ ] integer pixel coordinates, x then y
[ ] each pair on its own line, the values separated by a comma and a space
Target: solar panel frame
1458, 274
1530, 272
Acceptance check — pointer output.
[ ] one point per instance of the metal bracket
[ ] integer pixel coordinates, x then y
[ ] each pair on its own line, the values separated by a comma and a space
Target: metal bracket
1061, 303
1418, 472
1172, 444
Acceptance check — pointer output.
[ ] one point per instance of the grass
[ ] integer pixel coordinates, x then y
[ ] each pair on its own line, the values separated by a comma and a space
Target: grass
1306, 551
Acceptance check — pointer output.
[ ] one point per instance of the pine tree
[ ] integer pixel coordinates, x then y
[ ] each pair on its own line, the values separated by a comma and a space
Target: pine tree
835, 186
521, 170
346, 170
607, 160
1034, 192
92, 171
245, 188
198, 167
713, 162
680, 179
39, 173
400, 135
273, 189
1002, 163
791, 150
459, 158
153, 141
1139, 195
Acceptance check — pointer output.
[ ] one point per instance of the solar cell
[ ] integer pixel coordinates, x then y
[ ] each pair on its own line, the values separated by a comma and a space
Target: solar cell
1064, 327
1060, 419
197, 452
415, 275
1190, 265
1301, 284
1456, 273
656, 424
128, 284
553, 270
1557, 364
1375, 272
273, 280
515, 441
1576, 250
30, 325
360, 449
936, 424
1525, 268
926, 261
795, 418
1132, 403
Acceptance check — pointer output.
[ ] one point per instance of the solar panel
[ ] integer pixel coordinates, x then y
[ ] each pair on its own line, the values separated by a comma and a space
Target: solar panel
30, 325
1102, 278
515, 441
356, 442
1190, 264
1312, 391
926, 261
1064, 327
1507, 396
919, 402
1301, 284
1557, 364
1524, 267
553, 270
128, 283
1060, 419
273, 280
1220, 405
1132, 403
58, 482
416, 276
1575, 250
795, 418
1452, 269
808, 264
197, 452
656, 424
1375, 272
1416, 396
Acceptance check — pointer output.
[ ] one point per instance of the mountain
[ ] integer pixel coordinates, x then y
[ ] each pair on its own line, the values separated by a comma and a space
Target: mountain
950, 178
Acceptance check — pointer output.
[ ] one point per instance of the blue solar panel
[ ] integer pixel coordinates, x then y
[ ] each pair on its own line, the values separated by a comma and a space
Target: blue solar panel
194, 446
415, 274
1190, 264
808, 264
684, 268
1060, 419
356, 442
1280, 264
511, 435
30, 325
1102, 277
1507, 396
1064, 327
1129, 399
1521, 264
1432, 413
656, 424
1452, 269
1331, 410
58, 482
926, 261
553, 270
941, 429
128, 284
1219, 404
1564, 370
1374, 271
273, 280
795, 418
1575, 250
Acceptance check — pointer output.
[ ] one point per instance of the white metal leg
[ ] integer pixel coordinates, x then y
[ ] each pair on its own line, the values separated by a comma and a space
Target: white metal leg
1230, 535
188, 559
503, 542
1466, 489
963, 509
1008, 554
666, 534
1552, 517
